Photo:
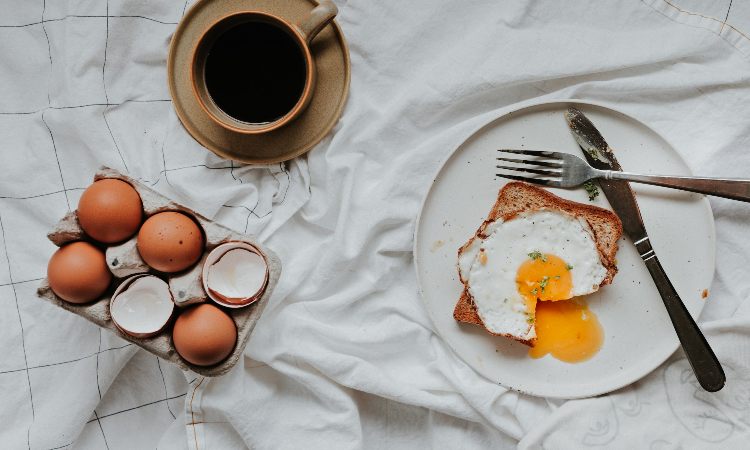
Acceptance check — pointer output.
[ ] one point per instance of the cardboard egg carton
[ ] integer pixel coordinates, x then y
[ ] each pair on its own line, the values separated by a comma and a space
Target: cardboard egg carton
187, 288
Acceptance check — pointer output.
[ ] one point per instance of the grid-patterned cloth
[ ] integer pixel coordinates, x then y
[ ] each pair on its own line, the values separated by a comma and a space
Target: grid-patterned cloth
345, 355
83, 85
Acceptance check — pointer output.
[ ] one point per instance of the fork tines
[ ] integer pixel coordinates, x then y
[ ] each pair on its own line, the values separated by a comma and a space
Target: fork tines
542, 159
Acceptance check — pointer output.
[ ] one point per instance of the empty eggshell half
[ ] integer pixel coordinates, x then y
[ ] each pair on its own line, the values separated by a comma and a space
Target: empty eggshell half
142, 305
235, 274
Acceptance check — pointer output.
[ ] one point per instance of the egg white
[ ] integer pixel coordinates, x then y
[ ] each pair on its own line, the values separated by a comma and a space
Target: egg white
507, 245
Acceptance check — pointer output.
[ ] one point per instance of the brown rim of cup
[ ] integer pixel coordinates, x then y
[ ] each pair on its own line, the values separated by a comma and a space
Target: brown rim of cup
223, 119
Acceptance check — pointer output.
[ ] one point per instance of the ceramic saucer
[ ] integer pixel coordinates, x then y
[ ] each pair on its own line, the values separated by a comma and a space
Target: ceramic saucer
332, 62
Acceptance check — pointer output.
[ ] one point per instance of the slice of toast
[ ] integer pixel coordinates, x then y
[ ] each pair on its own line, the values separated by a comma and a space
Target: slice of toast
517, 197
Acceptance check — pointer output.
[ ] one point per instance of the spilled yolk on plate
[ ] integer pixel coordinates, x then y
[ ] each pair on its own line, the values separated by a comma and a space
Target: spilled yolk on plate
565, 328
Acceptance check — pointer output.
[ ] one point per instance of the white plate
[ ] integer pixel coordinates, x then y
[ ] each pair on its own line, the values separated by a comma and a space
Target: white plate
638, 333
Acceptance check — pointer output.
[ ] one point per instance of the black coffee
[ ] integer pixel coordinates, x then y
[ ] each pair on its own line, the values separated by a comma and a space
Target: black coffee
255, 72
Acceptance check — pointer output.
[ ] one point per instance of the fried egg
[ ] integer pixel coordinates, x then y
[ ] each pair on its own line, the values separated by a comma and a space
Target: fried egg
543, 255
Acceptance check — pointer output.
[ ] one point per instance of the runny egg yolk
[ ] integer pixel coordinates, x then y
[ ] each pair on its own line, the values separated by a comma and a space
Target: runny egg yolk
544, 277
568, 330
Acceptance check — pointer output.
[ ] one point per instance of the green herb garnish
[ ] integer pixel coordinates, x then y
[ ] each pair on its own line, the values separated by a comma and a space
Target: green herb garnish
568, 266
530, 319
591, 189
536, 254
543, 283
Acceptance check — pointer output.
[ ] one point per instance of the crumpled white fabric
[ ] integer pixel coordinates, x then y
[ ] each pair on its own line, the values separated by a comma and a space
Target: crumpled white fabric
345, 355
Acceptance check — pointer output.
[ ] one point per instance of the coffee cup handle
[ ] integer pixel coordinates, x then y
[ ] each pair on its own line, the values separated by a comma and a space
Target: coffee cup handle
316, 19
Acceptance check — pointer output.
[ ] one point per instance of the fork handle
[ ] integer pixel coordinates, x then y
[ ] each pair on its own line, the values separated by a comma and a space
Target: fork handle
733, 188
706, 366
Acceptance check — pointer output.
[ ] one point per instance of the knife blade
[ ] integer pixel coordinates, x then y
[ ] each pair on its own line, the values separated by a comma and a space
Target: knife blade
600, 155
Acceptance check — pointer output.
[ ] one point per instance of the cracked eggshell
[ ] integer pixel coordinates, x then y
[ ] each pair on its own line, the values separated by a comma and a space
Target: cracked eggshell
142, 306
235, 274
124, 260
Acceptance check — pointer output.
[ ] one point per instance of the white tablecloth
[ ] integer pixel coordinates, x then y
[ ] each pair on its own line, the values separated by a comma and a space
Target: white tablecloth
345, 355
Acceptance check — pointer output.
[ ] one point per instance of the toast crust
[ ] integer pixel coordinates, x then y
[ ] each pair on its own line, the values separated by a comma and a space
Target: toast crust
517, 197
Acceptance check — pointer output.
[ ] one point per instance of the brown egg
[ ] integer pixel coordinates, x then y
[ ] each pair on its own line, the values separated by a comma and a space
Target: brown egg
170, 241
78, 272
204, 335
110, 211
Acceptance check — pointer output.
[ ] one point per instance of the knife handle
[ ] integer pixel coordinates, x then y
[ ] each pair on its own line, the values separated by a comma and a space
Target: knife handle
735, 189
702, 359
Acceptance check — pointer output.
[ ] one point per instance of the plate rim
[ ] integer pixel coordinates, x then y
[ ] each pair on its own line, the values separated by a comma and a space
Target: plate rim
498, 115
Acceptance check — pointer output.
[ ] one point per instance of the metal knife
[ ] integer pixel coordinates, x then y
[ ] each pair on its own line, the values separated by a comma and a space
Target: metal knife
705, 365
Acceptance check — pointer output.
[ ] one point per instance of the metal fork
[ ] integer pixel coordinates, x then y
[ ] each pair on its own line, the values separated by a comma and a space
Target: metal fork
557, 169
